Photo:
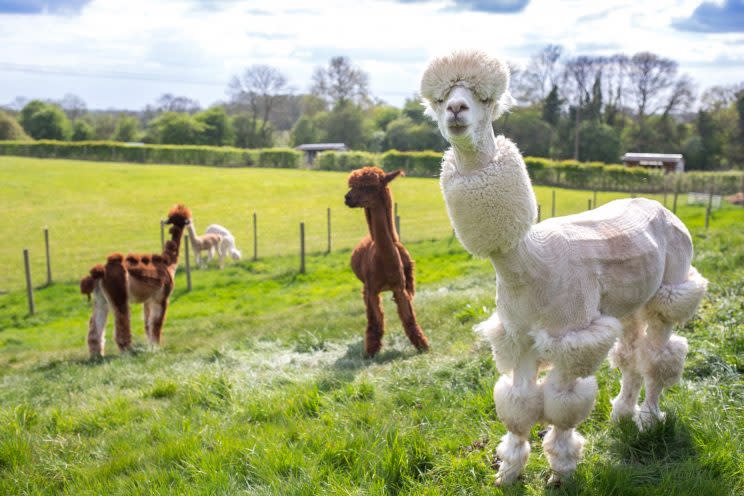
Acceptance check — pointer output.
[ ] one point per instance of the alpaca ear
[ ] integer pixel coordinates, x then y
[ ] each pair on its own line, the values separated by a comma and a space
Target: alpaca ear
390, 176
504, 104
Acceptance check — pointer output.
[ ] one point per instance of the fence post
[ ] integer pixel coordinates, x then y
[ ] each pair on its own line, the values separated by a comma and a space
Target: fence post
552, 207
710, 206
255, 237
162, 235
329, 230
48, 258
302, 247
676, 193
29, 288
588, 203
594, 199
539, 211
188, 264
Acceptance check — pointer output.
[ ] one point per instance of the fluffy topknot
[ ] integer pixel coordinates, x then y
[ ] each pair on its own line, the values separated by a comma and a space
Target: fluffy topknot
487, 77
366, 176
178, 215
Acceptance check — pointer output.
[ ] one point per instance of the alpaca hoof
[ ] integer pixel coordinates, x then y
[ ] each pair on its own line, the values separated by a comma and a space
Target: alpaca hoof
649, 417
555, 480
506, 477
621, 411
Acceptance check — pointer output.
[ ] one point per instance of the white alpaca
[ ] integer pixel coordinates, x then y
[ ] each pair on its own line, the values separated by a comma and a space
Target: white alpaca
227, 246
209, 242
568, 287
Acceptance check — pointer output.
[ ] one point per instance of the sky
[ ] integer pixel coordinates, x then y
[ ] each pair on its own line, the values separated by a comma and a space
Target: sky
118, 54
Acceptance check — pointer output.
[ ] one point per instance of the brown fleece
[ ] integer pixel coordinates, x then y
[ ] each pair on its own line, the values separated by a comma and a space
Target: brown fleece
154, 270
380, 261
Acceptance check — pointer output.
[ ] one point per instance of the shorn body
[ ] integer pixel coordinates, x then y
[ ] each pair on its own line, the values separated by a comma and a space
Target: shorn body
570, 289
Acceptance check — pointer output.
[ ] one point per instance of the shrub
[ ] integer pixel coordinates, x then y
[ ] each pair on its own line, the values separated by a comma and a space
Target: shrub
346, 161
423, 164
10, 129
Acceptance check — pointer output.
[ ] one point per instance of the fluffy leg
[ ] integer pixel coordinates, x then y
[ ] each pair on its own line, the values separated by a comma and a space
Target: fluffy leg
408, 318
97, 324
623, 357
567, 401
662, 359
375, 323
519, 405
157, 319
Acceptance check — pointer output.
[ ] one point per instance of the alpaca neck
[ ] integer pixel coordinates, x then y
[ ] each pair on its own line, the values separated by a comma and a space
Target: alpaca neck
193, 238
488, 195
381, 227
474, 153
176, 235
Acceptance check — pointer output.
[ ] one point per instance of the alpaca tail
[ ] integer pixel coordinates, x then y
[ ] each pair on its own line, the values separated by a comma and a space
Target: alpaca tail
88, 283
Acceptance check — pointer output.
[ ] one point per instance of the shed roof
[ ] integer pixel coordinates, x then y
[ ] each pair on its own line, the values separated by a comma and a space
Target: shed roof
667, 157
318, 147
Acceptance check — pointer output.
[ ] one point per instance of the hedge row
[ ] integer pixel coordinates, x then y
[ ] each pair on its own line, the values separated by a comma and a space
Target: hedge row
612, 177
422, 164
568, 173
153, 154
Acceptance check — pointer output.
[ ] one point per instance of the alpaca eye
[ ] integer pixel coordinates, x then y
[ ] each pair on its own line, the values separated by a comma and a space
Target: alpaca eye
439, 100
486, 100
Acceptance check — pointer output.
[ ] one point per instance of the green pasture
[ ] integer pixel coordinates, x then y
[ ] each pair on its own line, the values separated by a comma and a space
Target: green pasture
260, 387
94, 208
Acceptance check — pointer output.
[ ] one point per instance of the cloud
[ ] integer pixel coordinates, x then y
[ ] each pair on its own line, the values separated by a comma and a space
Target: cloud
490, 6
41, 6
710, 17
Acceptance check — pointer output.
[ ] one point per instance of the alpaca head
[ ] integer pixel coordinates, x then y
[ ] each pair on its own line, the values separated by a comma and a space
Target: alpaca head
179, 216
465, 92
369, 187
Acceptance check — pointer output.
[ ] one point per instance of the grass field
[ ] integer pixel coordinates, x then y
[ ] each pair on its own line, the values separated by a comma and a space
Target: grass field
92, 209
260, 388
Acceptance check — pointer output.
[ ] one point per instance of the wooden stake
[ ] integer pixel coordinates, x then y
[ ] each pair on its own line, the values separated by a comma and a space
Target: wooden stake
538, 212
48, 257
255, 237
302, 247
162, 235
29, 288
552, 207
328, 250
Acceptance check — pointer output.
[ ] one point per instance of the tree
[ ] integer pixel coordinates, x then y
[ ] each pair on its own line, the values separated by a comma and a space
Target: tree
174, 128
650, 76
578, 74
304, 131
528, 130
340, 82
599, 142
218, 129
257, 91
540, 75
382, 115
406, 134
344, 124
10, 129
551, 110
246, 135
45, 121
74, 106
82, 131
172, 103
127, 129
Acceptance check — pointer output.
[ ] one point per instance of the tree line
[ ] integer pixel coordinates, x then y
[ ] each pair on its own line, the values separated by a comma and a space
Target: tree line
588, 108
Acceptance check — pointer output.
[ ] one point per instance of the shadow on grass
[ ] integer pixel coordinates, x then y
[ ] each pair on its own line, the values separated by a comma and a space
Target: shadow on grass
354, 358
88, 361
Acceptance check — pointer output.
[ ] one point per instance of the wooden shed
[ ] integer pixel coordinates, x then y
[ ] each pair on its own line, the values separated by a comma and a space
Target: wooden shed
670, 162
312, 149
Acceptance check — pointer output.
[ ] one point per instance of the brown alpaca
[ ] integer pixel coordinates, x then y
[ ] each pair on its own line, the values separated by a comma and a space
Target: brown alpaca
209, 242
123, 280
380, 261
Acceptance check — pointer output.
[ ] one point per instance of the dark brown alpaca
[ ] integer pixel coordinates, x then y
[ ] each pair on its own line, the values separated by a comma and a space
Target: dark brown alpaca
380, 261
123, 280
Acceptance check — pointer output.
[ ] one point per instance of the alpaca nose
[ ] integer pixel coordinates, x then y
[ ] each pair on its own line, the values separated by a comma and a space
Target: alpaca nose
347, 199
456, 106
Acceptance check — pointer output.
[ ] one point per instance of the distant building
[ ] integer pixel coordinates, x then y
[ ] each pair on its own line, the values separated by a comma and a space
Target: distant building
670, 162
312, 149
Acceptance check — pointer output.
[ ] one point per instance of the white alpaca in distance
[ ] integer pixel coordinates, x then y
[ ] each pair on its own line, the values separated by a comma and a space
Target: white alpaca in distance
568, 287
227, 246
